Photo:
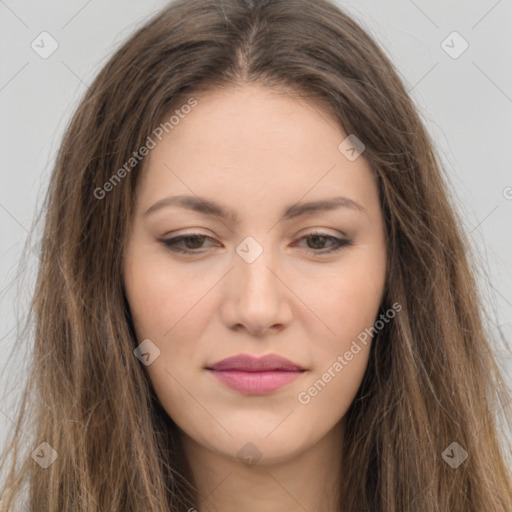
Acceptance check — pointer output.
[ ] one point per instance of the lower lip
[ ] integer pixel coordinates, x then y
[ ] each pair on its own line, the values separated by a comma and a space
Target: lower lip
255, 383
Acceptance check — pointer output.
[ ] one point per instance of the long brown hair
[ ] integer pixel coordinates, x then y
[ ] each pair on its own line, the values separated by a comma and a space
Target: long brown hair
432, 379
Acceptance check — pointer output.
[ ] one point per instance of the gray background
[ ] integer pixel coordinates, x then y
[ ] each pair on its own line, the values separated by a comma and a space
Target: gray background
466, 103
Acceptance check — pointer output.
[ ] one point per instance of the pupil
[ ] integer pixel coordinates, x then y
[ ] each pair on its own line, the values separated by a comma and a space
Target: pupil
317, 237
197, 239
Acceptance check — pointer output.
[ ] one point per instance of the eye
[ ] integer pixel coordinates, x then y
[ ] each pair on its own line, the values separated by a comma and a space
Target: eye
318, 240
194, 241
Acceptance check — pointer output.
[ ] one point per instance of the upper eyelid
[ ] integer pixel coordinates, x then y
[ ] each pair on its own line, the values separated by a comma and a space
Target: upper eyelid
313, 231
338, 240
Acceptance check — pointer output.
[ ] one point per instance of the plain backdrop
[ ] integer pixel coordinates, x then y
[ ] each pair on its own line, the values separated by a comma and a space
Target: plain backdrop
461, 83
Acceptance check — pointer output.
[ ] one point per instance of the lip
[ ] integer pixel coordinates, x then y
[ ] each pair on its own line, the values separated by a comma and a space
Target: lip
247, 363
255, 376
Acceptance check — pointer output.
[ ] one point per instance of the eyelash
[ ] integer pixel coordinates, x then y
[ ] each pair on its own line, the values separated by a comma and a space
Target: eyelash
171, 243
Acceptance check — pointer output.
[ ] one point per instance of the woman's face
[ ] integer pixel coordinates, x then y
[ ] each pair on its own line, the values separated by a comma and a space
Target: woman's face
269, 277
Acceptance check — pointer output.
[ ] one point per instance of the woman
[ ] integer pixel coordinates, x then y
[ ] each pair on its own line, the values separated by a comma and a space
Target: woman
254, 293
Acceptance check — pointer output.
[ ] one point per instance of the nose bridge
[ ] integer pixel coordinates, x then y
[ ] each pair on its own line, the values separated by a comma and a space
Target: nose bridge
254, 262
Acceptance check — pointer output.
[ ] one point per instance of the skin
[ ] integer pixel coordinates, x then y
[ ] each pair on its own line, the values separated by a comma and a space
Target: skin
256, 150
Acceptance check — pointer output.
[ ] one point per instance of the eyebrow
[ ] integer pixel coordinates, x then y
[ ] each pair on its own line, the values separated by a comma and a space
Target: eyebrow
209, 207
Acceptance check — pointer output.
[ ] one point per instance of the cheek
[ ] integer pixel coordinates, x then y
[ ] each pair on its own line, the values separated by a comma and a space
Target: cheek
333, 387
349, 307
348, 301
171, 308
161, 297
165, 309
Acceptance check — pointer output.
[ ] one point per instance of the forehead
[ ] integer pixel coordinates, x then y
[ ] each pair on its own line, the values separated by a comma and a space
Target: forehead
251, 142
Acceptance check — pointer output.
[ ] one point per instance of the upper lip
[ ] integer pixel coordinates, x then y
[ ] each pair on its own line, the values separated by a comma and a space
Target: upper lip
244, 362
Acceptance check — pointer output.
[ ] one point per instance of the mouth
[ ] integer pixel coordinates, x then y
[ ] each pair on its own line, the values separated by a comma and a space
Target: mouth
255, 376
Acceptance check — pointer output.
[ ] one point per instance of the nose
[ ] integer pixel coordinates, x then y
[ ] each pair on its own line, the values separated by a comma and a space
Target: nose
257, 298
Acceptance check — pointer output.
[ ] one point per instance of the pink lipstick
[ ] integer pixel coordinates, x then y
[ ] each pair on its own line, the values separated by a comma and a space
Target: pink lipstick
255, 376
